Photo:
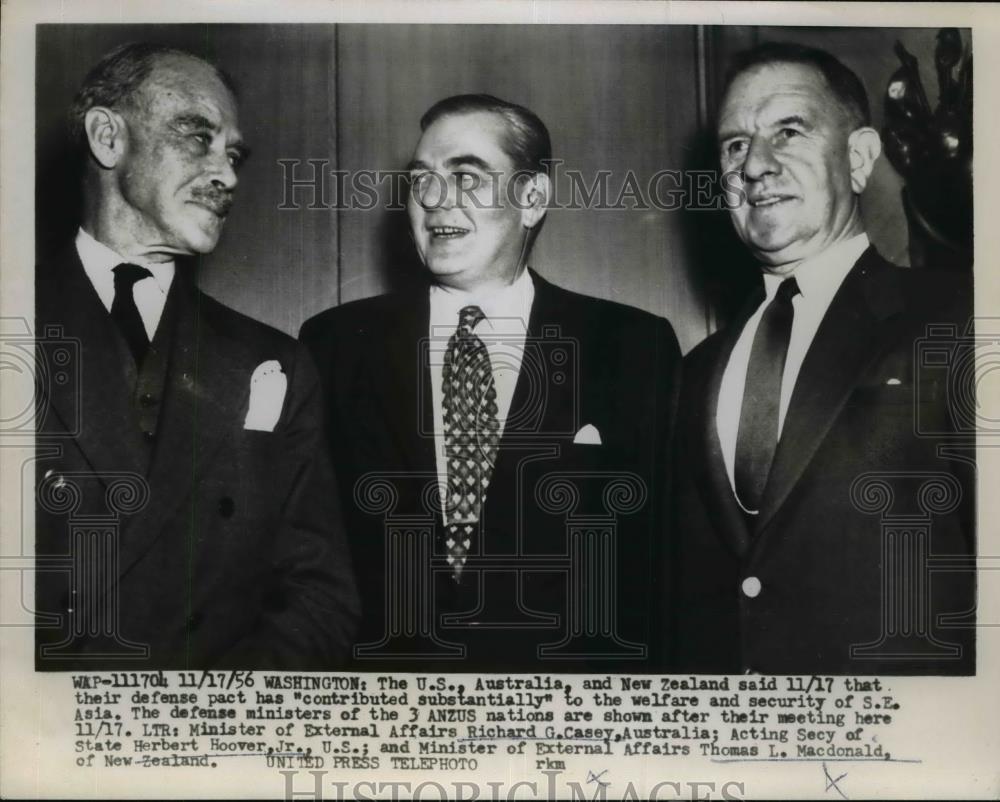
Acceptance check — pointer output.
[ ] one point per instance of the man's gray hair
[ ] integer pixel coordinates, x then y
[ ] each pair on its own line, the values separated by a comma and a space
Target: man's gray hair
113, 81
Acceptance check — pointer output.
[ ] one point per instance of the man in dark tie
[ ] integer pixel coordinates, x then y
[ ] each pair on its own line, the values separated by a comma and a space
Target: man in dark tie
502, 440
824, 495
184, 514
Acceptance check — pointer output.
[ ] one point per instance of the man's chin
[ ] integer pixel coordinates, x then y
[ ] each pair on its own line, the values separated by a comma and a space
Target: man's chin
444, 267
202, 241
772, 247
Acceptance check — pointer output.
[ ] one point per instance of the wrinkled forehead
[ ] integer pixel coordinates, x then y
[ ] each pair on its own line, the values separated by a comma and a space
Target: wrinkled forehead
179, 84
456, 136
770, 92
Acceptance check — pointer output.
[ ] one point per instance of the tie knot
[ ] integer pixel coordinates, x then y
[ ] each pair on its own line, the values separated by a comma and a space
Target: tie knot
469, 317
788, 289
128, 274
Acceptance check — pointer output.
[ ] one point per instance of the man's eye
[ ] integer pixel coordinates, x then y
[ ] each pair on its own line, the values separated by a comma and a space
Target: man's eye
788, 133
235, 159
426, 184
202, 139
467, 180
735, 148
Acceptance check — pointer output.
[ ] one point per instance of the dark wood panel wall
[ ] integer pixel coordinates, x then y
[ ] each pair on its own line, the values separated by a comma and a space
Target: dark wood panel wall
629, 100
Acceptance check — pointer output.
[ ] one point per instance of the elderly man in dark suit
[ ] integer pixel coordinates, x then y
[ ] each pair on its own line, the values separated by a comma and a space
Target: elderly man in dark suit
505, 438
184, 515
821, 527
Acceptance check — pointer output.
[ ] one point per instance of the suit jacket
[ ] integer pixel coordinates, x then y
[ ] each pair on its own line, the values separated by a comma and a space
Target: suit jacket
859, 501
526, 601
213, 546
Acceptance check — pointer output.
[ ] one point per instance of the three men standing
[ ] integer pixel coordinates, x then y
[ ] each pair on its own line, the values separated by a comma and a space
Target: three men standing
504, 447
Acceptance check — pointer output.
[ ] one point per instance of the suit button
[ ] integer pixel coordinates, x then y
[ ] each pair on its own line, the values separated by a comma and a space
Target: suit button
147, 399
226, 507
751, 587
149, 437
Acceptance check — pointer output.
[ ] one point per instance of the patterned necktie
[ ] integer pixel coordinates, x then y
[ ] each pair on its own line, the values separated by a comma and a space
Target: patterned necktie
757, 437
471, 434
124, 311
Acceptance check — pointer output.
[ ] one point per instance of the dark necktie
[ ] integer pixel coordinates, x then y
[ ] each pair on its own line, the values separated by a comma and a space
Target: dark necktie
757, 437
471, 434
124, 311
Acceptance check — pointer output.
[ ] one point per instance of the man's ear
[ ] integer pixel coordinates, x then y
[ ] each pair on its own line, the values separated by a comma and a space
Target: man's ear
534, 199
106, 135
863, 148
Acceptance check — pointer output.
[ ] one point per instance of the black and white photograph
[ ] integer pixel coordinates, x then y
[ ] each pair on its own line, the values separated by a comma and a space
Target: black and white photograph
539, 394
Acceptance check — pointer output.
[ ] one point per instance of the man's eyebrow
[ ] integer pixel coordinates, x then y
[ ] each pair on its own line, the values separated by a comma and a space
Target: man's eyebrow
468, 160
200, 122
731, 133
793, 119
195, 121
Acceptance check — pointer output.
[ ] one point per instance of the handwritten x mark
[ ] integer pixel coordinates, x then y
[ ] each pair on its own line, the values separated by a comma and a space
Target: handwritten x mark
596, 778
831, 782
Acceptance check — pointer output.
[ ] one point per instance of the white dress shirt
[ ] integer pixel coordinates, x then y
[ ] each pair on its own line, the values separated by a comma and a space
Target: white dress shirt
150, 293
503, 332
818, 278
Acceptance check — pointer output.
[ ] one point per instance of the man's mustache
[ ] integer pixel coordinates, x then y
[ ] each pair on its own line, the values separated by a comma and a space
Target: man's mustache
219, 201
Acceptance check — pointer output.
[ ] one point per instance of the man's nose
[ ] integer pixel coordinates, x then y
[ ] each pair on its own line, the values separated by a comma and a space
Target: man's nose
433, 191
223, 173
449, 195
760, 160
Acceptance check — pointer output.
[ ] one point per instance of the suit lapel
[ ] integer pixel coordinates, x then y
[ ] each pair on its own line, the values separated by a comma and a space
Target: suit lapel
719, 497
399, 372
854, 333
543, 417
546, 399
205, 398
99, 408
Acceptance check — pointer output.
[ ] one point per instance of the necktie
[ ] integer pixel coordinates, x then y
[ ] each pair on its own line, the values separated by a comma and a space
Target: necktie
471, 434
124, 311
757, 436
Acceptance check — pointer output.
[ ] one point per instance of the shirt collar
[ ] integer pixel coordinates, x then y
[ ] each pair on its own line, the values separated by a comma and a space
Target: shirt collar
512, 302
820, 276
99, 260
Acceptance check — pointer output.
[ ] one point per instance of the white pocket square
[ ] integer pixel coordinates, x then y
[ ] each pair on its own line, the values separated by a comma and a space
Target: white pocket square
267, 395
588, 435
